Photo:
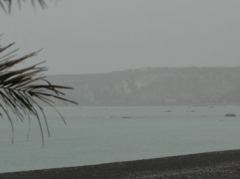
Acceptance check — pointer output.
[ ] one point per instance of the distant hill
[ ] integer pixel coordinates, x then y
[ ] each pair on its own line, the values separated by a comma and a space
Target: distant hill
156, 86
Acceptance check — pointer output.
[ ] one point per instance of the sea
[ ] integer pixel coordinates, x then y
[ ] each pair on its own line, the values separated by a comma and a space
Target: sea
95, 135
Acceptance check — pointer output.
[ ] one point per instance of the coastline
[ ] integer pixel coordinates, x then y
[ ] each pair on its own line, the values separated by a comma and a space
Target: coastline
211, 165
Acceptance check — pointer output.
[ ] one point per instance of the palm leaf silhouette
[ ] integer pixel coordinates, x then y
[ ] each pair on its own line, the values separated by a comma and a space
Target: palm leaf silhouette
24, 90
6, 5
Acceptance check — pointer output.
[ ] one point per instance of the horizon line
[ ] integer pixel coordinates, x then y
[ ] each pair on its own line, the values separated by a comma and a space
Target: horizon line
141, 68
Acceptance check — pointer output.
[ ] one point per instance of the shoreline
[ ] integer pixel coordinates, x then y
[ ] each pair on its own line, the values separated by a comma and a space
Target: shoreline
210, 165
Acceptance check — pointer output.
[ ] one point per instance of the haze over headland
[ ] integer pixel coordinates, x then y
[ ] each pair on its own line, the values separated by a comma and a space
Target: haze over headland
156, 86
101, 36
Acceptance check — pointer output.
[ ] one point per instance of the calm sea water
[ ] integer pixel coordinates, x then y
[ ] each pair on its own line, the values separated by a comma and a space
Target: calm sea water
96, 135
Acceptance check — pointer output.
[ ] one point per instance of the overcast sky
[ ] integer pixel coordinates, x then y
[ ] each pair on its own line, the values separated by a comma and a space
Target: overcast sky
91, 36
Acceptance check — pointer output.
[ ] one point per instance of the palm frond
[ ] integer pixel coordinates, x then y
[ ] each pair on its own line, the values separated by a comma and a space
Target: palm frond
24, 90
6, 5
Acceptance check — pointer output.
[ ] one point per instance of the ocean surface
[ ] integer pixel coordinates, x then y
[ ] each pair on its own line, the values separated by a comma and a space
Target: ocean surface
96, 135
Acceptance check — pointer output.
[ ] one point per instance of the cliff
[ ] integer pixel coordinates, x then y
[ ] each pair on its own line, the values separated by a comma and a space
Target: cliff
156, 86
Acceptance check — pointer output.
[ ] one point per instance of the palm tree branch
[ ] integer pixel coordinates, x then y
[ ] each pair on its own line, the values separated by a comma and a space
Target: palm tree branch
22, 90
7, 5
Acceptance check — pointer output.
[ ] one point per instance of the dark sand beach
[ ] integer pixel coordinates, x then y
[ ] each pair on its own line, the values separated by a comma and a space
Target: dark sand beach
213, 165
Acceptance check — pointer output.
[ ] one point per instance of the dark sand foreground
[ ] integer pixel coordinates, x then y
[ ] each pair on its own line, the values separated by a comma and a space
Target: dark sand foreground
214, 165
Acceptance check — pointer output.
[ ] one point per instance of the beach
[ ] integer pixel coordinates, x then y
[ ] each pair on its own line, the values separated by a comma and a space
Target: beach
211, 165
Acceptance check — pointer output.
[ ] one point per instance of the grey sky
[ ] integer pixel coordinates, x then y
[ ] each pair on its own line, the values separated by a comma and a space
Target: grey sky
90, 36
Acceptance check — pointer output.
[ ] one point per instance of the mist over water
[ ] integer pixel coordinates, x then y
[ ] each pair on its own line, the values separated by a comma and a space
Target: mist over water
141, 132
152, 78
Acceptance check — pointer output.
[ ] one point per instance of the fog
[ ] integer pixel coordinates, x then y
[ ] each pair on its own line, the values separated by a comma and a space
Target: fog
82, 36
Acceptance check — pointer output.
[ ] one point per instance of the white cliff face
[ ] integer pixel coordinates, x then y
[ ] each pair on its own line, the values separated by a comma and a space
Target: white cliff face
156, 86
126, 87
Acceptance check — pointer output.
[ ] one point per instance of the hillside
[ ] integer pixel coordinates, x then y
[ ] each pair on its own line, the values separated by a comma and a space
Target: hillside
156, 86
